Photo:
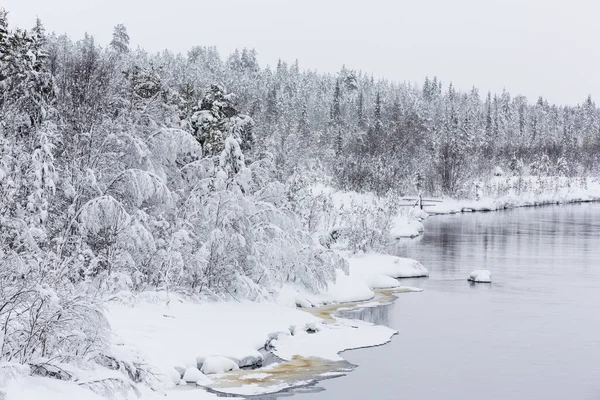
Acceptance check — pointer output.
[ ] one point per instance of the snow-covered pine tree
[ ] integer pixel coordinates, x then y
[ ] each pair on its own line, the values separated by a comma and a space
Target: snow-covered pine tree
120, 39
217, 118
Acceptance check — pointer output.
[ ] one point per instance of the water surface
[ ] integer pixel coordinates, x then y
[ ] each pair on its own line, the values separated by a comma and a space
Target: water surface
534, 333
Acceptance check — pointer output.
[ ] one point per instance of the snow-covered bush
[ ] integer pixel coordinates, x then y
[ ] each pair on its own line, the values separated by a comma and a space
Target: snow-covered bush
541, 166
367, 224
516, 166
39, 321
354, 221
104, 189
562, 167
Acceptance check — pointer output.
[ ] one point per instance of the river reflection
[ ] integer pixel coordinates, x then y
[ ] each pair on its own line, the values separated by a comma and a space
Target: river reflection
379, 315
533, 333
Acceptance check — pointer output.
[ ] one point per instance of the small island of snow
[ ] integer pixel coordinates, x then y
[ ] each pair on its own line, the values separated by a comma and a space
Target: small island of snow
481, 276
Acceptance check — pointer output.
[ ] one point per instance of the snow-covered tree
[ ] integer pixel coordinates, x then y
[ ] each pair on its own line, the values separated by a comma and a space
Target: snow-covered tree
120, 39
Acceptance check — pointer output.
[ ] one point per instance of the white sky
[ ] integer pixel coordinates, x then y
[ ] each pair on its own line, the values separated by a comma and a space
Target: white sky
530, 47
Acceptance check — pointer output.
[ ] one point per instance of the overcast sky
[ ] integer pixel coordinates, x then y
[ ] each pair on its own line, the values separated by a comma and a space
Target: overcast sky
531, 47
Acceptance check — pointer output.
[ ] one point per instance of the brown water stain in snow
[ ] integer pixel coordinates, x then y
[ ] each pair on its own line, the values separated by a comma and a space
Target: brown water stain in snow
298, 370
301, 370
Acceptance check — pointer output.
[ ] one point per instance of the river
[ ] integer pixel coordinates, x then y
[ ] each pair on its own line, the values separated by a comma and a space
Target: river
534, 333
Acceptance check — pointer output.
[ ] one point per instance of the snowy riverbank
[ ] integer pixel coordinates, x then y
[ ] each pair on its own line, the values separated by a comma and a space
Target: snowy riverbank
511, 192
164, 336
249, 333
181, 335
249, 348
376, 217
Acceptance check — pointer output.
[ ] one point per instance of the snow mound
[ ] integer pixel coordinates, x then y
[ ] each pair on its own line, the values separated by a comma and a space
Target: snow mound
409, 268
381, 282
419, 214
193, 375
175, 375
481, 275
391, 266
403, 227
348, 288
218, 365
291, 296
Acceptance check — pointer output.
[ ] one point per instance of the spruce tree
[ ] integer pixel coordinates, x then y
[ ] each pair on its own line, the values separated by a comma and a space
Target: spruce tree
120, 39
336, 118
427, 89
361, 111
378, 123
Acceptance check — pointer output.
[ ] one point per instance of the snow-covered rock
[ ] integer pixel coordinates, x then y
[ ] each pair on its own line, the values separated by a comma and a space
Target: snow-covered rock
200, 362
481, 275
180, 370
218, 365
193, 375
254, 360
175, 376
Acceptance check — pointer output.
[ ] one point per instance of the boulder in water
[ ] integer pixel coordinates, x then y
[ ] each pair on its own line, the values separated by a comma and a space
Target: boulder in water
481, 276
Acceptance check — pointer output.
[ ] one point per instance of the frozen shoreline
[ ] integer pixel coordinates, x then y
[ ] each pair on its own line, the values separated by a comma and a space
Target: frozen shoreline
536, 192
168, 334
307, 340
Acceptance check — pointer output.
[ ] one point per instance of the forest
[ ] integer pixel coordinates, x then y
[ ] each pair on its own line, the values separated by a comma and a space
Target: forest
122, 170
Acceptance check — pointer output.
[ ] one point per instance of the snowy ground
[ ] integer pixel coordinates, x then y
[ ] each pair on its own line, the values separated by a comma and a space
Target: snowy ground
30, 388
181, 334
191, 333
174, 336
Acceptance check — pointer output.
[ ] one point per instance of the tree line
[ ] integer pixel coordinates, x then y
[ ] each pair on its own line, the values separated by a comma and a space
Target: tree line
124, 170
